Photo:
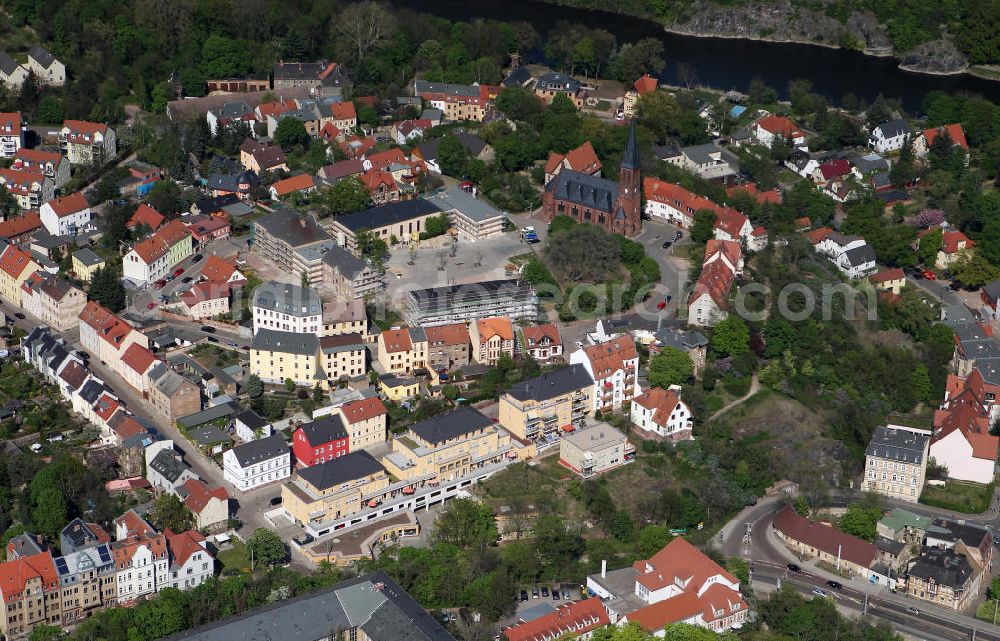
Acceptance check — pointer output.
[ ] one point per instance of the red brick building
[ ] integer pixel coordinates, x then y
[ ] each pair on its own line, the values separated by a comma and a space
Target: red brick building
615, 206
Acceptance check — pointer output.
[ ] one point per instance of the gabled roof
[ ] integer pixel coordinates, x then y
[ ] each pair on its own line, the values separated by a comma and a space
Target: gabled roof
953, 131
263, 449
582, 189
14, 575
183, 545
42, 56
451, 425
138, 358
963, 412
893, 128
552, 384
146, 215
610, 356
324, 430
583, 159
679, 560
490, 327
295, 183
156, 246
217, 269
15, 262
343, 111
343, 469
835, 168
571, 619
396, 340
270, 340
453, 334
887, 275
535, 334
952, 238
68, 204
824, 538
198, 495
19, 225
661, 401
780, 126
646, 84
730, 221
363, 409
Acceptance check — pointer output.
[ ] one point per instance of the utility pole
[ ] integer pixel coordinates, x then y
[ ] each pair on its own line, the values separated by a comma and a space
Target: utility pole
864, 609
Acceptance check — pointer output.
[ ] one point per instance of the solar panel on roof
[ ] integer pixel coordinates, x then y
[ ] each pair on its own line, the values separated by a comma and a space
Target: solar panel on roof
61, 565
105, 554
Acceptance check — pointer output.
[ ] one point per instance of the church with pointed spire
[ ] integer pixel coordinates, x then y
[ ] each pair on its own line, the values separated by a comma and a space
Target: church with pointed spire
615, 206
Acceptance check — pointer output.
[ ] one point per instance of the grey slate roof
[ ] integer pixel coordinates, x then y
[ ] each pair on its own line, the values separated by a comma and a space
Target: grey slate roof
168, 464
233, 110
7, 64
700, 154
42, 56
288, 299
465, 91
290, 342
340, 470
263, 449
325, 429
554, 81
210, 414
209, 435
292, 227
631, 160
897, 445
472, 144
992, 289
451, 425
389, 214
517, 78
681, 339
251, 419
893, 128
87, 257
459, 200
860, 255
346, 263
586, 191
944, 567
552, 384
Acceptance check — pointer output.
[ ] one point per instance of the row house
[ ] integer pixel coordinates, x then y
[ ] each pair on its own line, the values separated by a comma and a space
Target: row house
277, 356
678, 584
402, 350
12, 74
343, 357
447, 447
896, 462
542, 342
66, 216
85, 263
447, 346
205, 300
20, 229
51, 164
722, 266
137, 361
52, 300
191, 563
31, 594
344, 316
87, 143
48, 69
366, 420
491, 338
258, 463
850, 555
11, 131
321, 440
571, 620
106, 336
613, 365
28, 188
16, 266
457, 102
153, 258
171, 394
258, 156
662, 412
543, 409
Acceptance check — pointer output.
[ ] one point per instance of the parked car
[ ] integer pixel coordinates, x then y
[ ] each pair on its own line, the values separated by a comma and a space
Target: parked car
661, 304
186, 279
794, 568
678, 235
545, 591
19, 316
534, 593
275, 501
667, 244
150, 305
555, 594
915, 612
928, 274
836, 585
82, 354
524, 595
178, 271
208, 329
159, 284
212, 339
169, 277
819, 592
197, 257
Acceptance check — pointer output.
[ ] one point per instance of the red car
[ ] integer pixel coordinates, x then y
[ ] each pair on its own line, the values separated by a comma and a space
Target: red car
150, 305
661, 304
178, 271
159, 284
929, 275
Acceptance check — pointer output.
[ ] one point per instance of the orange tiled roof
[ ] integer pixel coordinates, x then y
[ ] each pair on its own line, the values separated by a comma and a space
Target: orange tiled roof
14, 575
146, 215
19, 225
134, 524
646, 84
780, 126
661, 401
108, 326
10, 123
206, 290
198, 495
83, 131
156, 246
886, 275
138, 358
952, 238
533, 334
730, 221
610, 356
963, 411
376, 178
954, 131
397, 340
574, 619
453, 334
68, 204
183, 545
363, 410
14, 262
769, 196
583, 159
343, 111
218, 270
817, 236
499, 326
295, 183
124, 550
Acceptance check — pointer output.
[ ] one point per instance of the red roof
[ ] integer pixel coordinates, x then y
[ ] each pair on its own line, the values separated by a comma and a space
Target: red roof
499, 326
769, 196
205, 290
396, 340
608, 357
138, 358
125, 425
817, 236
363, 410
275, 108
661, 401
157, 245
68, 204
343, 111
198, 495
583, 159
963, 411
10, 123
83, 131
37, 157
108, 326
646, 84
534, 334
134, 524
452, 334
14, 262
20, 225
886, 275
824, 538
678, 560
295, 183
780, 126
574, 619
14, 575
124, 550
329, 131
835, 168
106, 406
954, 131
730, 221
717, 276
146, 215
218, 270
952, 241
376, 178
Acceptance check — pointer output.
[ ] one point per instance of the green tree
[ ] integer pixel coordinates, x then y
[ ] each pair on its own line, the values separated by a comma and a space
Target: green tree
169, 512
436, 226
452, 156
536, 273
670, 366
50, 512
266, 546
347, 196
254, 386
930, 245
973, 270
106, 288
45, 632
652, 539
371, 247
703, 227
633, 61
290, 133
466, 523
560, 223
165, 197
658, 112
731, 337
861, 521
921, 383
518, 103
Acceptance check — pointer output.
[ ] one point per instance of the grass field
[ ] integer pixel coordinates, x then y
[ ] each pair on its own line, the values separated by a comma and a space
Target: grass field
235, 557
960, 496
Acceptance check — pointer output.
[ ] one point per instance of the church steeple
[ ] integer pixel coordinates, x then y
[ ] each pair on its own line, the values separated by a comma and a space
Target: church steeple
628, 218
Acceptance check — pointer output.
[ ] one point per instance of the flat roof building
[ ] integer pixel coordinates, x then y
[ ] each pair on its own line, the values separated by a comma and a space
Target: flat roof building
514, 299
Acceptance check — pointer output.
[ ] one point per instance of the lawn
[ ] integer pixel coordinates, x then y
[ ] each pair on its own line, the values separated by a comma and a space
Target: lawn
960, 496
235, 557
211, 355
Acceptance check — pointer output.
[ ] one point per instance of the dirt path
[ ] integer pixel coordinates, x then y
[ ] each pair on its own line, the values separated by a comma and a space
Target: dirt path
754, 388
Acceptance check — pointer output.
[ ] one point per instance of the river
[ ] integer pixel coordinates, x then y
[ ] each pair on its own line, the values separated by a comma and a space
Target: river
723, 63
